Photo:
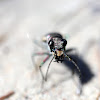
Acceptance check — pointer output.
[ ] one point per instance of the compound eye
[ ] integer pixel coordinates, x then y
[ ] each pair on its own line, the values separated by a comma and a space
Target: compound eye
51, 43
64, 42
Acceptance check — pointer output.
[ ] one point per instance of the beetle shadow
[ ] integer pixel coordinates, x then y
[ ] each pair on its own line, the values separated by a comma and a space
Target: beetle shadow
86, 73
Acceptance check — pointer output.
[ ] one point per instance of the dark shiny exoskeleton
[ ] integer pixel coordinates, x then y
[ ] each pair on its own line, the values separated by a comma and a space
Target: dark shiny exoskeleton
57, 45
56, 42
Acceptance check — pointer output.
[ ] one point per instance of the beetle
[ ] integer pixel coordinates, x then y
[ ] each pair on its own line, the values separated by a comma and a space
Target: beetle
57, 47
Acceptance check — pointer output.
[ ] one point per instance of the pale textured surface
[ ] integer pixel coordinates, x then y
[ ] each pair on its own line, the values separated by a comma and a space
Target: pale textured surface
80, 19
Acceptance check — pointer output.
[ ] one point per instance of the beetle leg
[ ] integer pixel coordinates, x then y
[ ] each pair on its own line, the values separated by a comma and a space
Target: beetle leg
43, 78
48, 69
42, 65
79, 90
38, 54
70, 59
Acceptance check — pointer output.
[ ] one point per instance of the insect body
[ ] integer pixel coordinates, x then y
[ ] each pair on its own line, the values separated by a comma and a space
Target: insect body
57, 45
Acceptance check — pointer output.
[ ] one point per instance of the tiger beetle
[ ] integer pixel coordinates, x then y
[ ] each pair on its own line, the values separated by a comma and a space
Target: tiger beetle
57, 48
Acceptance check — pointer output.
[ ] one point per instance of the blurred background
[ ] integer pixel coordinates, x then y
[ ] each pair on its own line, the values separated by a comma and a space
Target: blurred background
22, 21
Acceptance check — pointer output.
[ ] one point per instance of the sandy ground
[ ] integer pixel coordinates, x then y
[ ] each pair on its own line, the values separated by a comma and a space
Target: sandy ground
79, 20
